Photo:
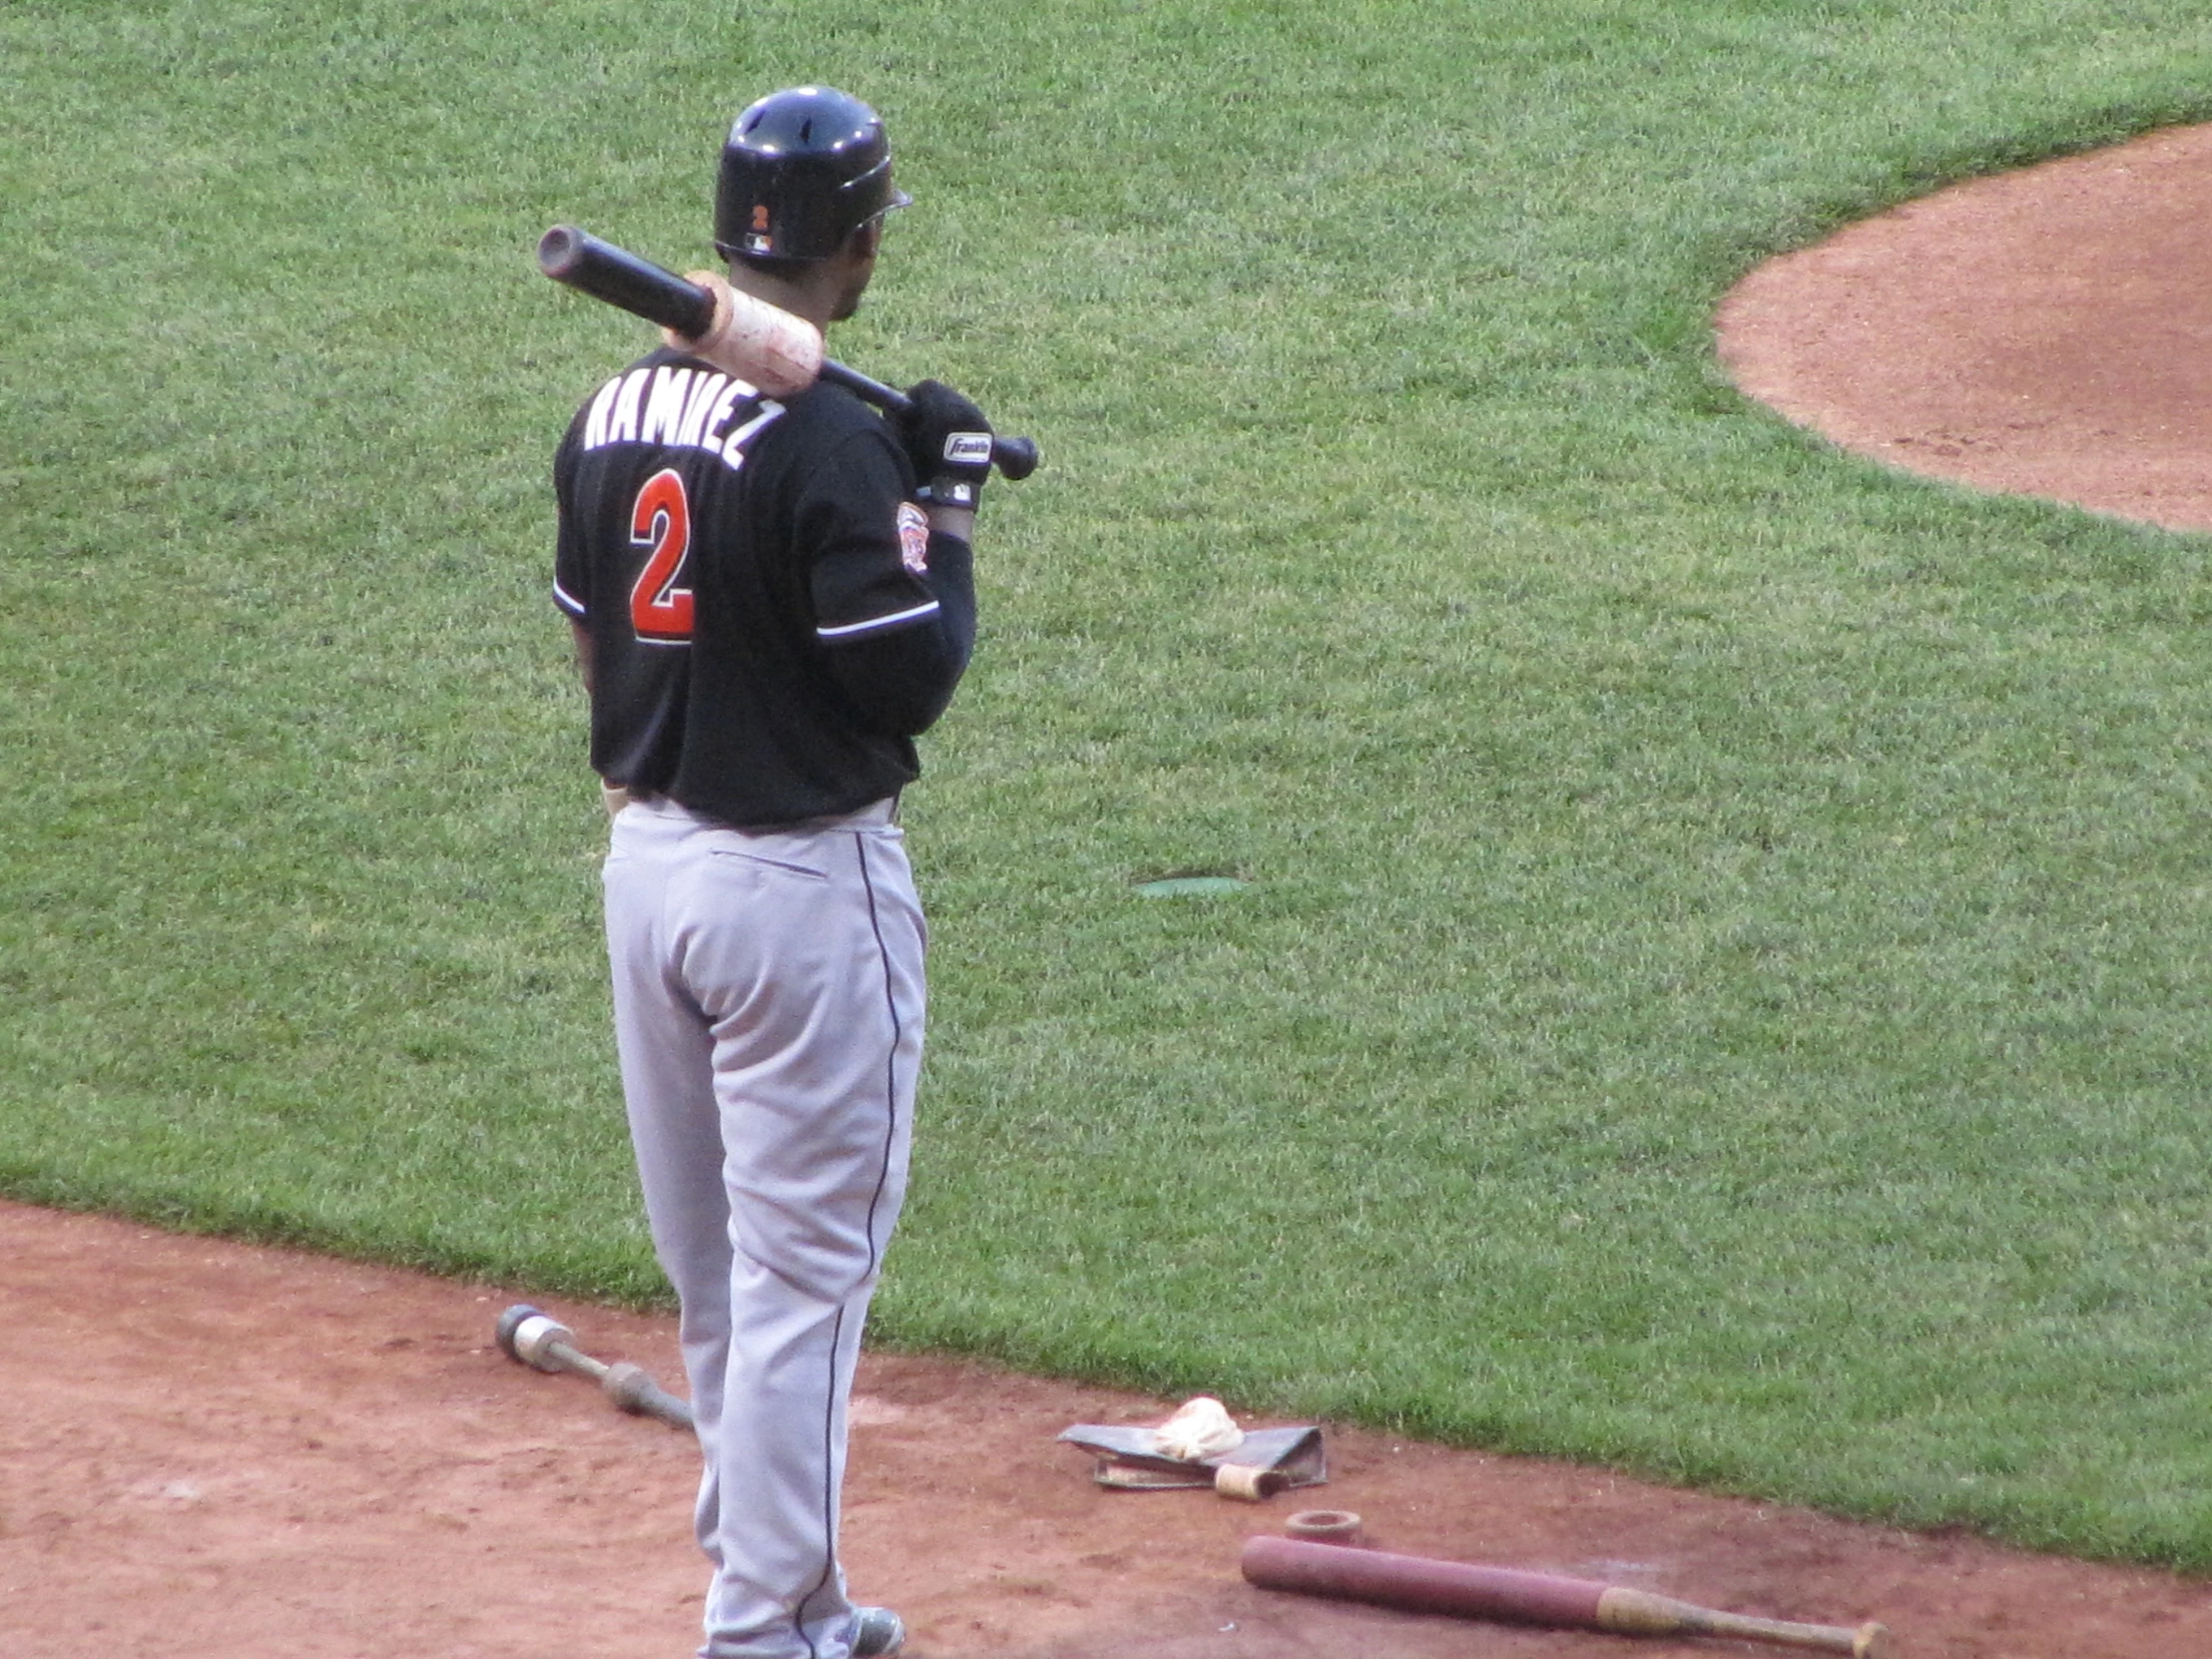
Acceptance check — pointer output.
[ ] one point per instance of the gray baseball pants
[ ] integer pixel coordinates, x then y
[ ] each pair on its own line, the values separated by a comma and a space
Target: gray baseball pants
768, 994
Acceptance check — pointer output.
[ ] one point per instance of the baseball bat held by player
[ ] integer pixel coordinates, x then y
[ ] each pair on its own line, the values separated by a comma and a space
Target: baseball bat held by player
737, 332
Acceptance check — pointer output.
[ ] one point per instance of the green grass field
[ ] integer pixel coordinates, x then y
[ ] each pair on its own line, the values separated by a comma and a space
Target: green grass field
1722, 986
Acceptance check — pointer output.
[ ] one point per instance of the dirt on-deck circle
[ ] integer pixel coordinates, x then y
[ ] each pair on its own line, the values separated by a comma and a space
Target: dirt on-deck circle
218, 1451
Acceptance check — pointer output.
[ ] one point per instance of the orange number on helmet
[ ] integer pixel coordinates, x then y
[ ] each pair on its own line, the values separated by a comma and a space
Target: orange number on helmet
660, 610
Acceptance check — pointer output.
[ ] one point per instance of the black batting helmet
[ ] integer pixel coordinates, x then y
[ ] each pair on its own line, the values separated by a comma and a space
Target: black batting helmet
803, 169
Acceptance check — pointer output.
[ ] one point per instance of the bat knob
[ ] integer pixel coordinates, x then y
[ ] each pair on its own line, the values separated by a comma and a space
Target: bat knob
560, 250
1016, 458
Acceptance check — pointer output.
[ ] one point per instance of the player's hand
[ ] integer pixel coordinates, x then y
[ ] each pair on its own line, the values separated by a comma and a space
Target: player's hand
949, 442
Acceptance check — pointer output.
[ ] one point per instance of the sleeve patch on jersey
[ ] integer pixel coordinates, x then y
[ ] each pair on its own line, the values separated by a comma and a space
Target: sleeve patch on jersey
914, 538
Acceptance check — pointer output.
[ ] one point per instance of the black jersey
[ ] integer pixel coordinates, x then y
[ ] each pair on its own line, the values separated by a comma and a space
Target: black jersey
771, 620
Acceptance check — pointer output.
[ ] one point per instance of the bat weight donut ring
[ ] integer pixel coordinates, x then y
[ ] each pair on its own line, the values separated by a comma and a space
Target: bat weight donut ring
1323, 1527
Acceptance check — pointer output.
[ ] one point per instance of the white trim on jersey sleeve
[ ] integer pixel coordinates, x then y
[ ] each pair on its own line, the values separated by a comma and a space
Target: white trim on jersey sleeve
569, 602
877, 624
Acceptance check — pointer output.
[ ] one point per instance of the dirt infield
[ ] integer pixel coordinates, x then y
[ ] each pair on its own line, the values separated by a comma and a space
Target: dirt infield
2044, 332
214, 1452
217, 1451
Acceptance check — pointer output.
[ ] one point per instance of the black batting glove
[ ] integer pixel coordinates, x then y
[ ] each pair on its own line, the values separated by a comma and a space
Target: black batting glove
949, 442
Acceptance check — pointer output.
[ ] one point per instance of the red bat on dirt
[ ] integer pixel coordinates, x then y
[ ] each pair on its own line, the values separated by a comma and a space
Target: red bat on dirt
1418, 1584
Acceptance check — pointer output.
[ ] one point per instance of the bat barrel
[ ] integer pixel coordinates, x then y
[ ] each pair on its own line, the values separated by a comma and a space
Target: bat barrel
1421, 1586
622, 278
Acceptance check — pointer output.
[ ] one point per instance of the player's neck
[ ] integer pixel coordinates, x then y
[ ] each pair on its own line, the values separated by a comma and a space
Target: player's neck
814, 299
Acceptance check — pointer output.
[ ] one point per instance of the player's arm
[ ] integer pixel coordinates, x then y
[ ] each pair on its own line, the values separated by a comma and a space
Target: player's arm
582, 637
570, 564
956, 522
947, 446
893, 593
897, 644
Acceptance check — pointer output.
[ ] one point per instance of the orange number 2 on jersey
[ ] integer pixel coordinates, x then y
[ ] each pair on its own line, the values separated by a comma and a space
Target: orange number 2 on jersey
660, 611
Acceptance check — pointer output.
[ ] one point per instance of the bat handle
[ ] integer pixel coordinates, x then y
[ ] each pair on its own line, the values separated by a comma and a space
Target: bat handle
1016, 459
1640, 1613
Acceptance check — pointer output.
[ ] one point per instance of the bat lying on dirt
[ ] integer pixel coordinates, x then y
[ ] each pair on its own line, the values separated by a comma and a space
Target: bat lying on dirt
757, 342
544, 1343
1418, 1584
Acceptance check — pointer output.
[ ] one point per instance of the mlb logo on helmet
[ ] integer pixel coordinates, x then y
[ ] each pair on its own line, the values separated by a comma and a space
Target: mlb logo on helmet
758, 238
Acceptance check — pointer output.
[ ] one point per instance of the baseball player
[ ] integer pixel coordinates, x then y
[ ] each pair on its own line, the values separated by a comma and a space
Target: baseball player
770, 597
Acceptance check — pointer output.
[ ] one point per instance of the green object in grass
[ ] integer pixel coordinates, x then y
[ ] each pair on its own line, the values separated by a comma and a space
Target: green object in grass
1189, 887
